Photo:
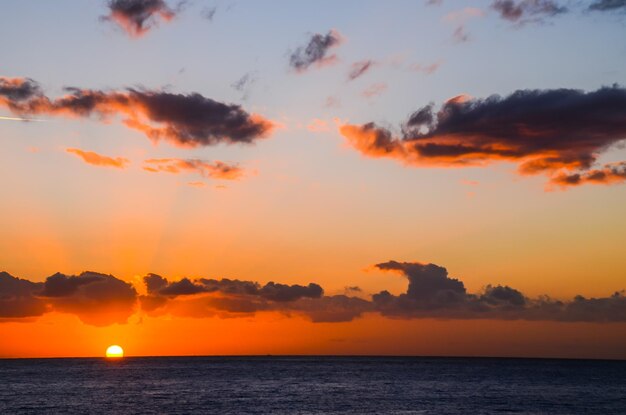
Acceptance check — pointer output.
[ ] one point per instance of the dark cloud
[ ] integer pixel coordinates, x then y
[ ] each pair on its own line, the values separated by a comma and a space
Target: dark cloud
17, 298
271, 291
432, 293
315, 52
608, 5
18, 89
96, 299
137, 17
359, 68
609, 174
100, 299
189, 120
543, 131
527, 11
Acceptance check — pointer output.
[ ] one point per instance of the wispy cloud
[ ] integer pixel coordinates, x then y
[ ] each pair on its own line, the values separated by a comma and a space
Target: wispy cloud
96, 159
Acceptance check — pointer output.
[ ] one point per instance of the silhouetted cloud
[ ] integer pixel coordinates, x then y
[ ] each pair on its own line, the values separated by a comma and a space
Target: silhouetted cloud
432, 293
608, 5
526, 11
359, 68
209, 169
184, 120
97, 299
17, 298
96, 159
100, 299
316, 51
137, 17
544, 131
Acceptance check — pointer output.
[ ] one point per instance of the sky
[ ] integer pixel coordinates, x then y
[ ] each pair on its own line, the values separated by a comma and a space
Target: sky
358, 177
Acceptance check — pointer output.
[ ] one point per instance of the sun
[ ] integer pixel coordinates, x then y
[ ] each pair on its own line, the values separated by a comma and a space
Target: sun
115, 351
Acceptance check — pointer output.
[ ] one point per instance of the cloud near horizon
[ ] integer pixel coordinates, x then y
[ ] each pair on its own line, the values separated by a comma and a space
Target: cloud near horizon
559, 133
100, 299
184, 120
137, 17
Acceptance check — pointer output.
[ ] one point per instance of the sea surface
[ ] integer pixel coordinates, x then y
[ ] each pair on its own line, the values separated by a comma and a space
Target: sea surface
311, 385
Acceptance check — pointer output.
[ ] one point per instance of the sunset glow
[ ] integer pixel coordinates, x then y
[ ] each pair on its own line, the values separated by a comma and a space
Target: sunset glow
439, 178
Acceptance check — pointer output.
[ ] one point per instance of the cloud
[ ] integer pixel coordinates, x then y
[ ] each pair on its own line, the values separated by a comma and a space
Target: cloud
433, 293
96, 159
185, 120
17, 298
608, 5
459, 18
544, 131
374, 90
316, 51
137, 17
244, 84
359, 68
17, 89
609, 174
527, 11
209, 169
96, 299
100, 299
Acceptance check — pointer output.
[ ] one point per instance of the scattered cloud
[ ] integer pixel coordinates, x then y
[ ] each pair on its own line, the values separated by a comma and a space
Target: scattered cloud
316, 51
608, 5
209, 169
137, 17
359, 68
185, 120
374, 90
459, 18
544, 131
244, 84
209, 13
96, 159
527, 11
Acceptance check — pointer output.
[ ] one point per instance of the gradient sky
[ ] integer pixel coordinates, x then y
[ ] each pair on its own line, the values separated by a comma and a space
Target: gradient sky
307, 206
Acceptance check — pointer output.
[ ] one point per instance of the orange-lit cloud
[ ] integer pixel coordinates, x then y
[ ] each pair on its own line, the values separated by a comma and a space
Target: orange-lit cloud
96, 159
609, 174
554, 132
184, 120
137, 17
209, 169
99, 299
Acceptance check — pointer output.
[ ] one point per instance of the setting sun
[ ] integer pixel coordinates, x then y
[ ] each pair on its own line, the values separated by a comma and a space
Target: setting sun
115, 351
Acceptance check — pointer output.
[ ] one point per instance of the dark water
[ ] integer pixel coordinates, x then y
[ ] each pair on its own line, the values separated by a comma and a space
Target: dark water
312, 385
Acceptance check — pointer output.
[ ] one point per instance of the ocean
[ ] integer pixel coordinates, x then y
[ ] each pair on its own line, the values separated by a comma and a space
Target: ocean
311, 385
